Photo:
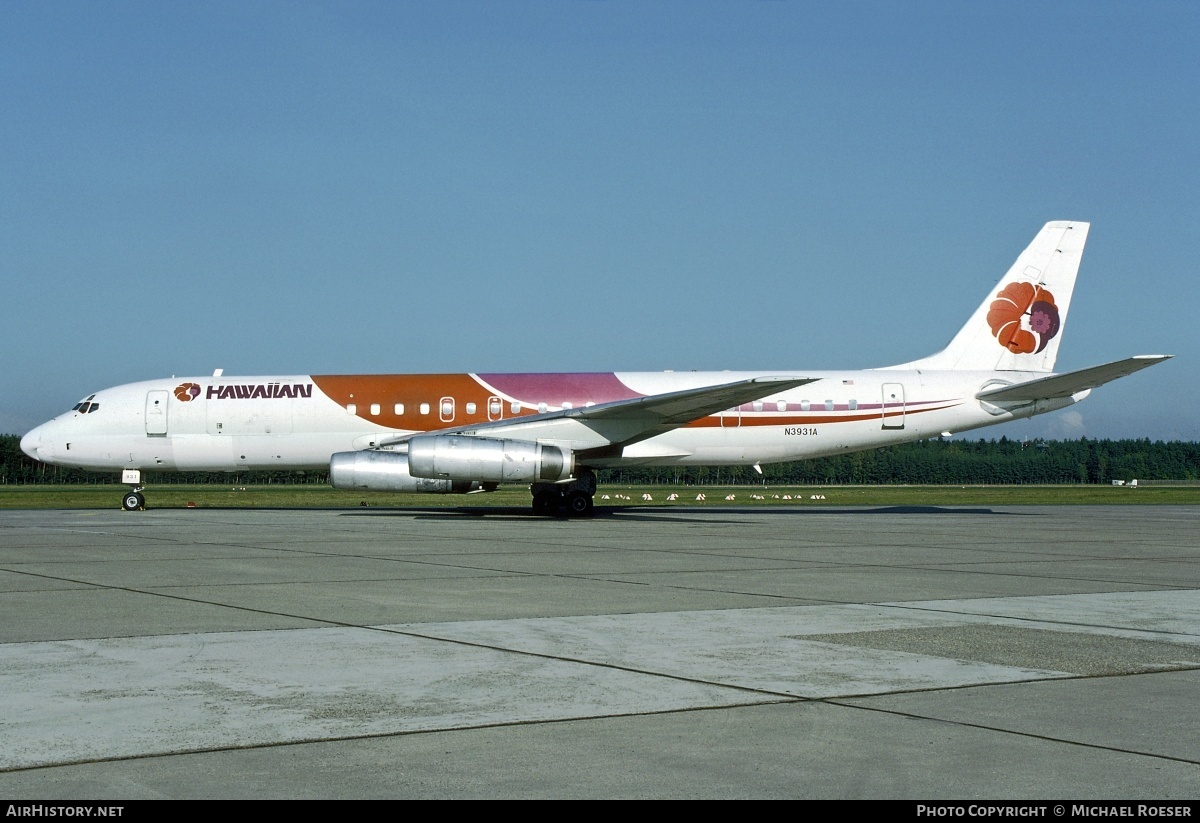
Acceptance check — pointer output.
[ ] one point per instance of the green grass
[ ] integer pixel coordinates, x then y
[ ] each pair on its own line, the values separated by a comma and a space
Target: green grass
303, 496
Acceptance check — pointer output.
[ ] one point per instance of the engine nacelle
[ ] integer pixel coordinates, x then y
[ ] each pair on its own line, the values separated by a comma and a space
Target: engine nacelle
388, 471
482, 458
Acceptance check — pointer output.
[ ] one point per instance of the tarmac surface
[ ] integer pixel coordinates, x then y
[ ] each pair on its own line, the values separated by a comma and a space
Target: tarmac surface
812, 652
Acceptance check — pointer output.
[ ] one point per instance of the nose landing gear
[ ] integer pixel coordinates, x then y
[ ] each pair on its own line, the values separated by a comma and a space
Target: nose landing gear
134, 501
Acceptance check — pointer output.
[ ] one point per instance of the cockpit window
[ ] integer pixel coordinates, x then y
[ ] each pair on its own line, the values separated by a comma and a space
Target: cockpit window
86, 406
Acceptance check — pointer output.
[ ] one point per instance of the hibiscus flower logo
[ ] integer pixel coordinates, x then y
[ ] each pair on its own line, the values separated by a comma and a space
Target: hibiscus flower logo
187, 392
1023, 318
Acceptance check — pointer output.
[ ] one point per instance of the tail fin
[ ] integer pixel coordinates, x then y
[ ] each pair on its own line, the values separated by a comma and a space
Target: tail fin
1019, 325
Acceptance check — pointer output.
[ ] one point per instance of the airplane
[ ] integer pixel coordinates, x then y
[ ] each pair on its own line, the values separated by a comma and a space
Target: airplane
467, 433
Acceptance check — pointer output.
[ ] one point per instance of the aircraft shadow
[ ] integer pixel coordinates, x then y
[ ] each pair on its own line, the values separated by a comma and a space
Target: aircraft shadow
652, 513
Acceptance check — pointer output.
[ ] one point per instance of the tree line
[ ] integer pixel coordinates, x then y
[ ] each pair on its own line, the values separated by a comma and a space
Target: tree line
937, 461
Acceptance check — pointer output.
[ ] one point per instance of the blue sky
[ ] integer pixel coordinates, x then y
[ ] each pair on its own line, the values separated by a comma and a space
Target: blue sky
558, 186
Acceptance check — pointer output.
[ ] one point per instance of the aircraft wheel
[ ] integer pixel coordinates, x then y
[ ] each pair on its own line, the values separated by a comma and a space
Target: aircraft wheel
579, 504
133, 501
545, 503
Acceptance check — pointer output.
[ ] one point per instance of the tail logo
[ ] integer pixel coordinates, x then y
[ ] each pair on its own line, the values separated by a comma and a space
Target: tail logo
1023, 318
187, 392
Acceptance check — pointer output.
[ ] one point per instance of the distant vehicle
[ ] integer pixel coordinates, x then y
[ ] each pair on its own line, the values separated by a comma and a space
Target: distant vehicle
447, 433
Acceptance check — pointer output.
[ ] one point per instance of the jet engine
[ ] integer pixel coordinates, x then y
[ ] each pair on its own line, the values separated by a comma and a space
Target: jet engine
488, 459
388, 471
442, 464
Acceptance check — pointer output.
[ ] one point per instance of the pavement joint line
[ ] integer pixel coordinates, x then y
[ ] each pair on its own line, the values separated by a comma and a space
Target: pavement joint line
502, 573
497, 573
1031, 735
1021, 619
425, 636
279, 744
842, 703
782, 696
164, 588
923, 567
1156, 586
797, 601
808, 600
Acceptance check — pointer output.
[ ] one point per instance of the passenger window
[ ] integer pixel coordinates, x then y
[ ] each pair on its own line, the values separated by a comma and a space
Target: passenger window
828, 405
853, 405
757, 405
470, 408
424, 408
515, 407
805, 405
541, 408
494, 407
399, 409
351, 408
781, 405
374, 408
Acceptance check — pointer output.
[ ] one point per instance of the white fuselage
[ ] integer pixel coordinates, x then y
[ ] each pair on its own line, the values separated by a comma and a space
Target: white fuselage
299, 421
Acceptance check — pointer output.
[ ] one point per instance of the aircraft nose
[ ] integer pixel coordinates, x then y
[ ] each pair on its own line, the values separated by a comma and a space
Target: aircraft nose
31, 441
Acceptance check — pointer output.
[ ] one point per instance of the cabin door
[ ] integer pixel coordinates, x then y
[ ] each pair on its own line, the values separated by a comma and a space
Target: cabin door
892, 412
156, 413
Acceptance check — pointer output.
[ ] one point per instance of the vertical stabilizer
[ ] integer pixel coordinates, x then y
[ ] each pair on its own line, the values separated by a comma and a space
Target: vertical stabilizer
1019, 324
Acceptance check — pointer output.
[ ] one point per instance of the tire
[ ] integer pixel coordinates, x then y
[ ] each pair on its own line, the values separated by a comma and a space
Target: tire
133, 501
579, 504
545, 503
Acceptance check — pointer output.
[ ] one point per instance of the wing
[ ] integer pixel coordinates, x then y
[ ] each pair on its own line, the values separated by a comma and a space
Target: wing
606, 428
1065, 385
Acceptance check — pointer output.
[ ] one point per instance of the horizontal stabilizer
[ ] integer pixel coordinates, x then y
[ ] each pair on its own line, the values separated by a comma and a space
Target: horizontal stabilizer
1065, 385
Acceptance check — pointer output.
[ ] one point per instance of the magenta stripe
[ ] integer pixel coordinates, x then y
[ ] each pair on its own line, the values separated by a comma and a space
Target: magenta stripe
556, 389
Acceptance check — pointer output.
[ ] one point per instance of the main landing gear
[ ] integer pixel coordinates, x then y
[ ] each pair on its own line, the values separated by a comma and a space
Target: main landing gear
573, 499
